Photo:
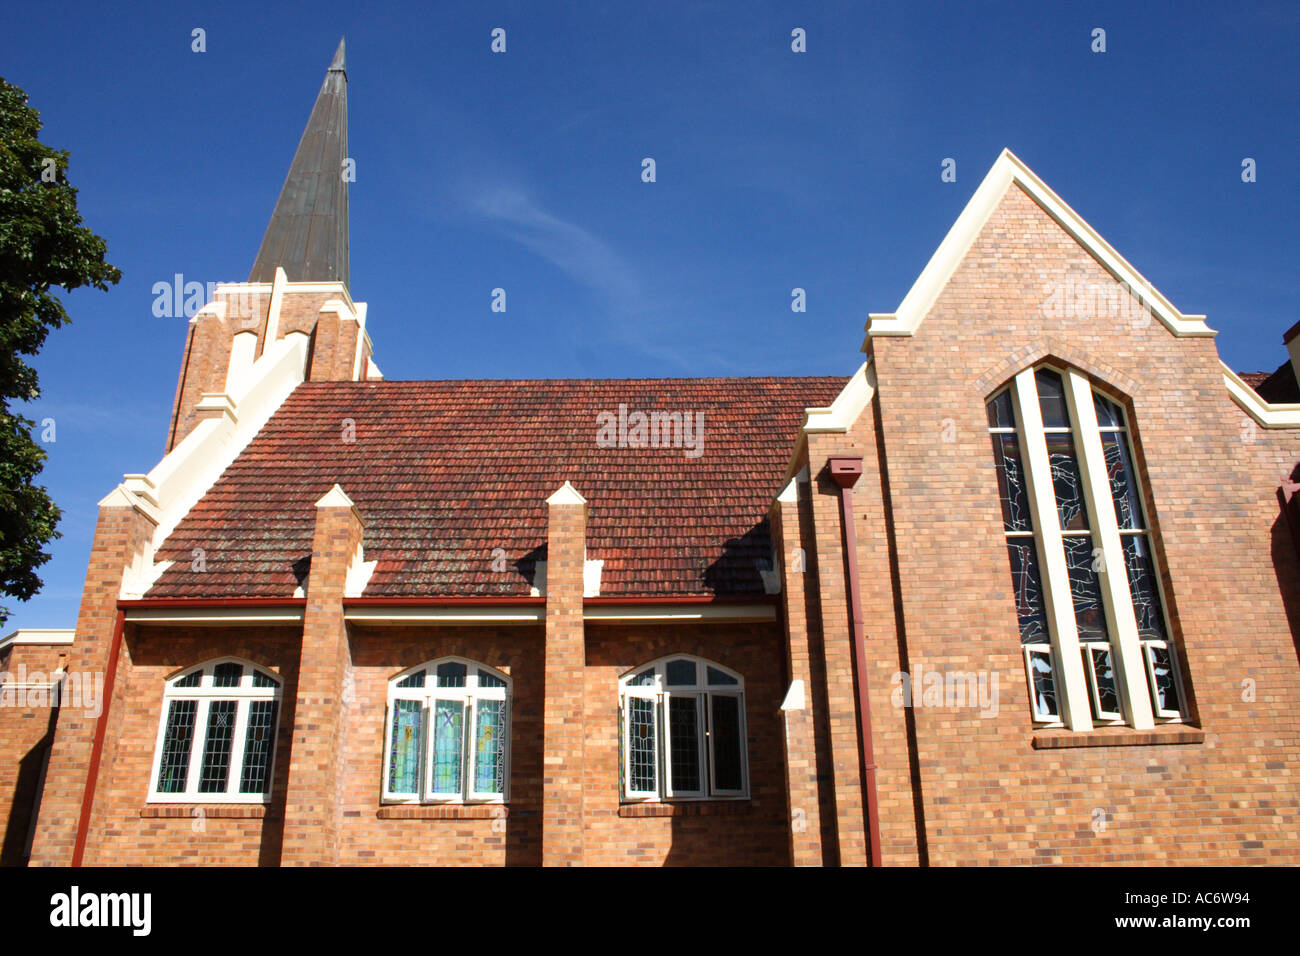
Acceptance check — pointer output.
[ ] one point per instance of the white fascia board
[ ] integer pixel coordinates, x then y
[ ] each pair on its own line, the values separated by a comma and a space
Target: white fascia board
852, 400
215, 615
1270, 416
494, 614
656, 613
1008, 168
41, 636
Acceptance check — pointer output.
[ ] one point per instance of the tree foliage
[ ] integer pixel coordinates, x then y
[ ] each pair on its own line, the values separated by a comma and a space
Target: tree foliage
43, 246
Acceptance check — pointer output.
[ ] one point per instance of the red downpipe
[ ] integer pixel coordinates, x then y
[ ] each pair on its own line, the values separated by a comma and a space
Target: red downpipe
845, 470
97, 750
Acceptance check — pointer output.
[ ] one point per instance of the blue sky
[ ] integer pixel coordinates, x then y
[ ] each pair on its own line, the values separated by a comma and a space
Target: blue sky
522, 171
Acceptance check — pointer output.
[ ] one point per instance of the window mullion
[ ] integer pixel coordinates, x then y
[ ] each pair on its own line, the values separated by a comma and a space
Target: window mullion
1056, 585
235, 777
1119, 604
198, 741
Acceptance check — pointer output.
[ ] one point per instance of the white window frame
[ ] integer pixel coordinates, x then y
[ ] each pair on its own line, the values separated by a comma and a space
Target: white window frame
1090, 648
1147, 645
1044, 717
661, 694
468, 696
205, 694
1074, 681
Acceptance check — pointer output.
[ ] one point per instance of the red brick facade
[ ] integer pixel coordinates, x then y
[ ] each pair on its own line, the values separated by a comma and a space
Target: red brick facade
954, 786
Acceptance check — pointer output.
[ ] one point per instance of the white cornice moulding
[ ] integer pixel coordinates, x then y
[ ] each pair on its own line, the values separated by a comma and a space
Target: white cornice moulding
1008, 168
1270, 416
40, 636
852, 400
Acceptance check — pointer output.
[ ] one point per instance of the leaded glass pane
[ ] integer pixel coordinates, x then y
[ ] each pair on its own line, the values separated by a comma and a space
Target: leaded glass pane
258, 743
1051, 399
1162, 666
718, 678
1012, 488
1108, 413
189, 680
261, 679
488, 680
214, 769
1123, 483
404, 747
412, 680
644, 679
641, 744
1067, 482
681, 673
1085, 589
177, 740
448, 738
490, 748
1107, 701
1044, 683
227, 675
684, 742
1002, 412
451, 674
725, 735
1142, 586
1028, 587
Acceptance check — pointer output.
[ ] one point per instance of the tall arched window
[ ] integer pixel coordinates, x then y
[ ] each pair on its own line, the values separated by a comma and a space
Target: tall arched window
682, 731
216, 741
447, 737
1095, 643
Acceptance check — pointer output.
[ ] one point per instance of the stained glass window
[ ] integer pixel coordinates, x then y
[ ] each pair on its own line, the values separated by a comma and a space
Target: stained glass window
1076, 479
693, 730
223, 727
641, 744
404, 747
258, 744
449, 735
490, 764
178, 735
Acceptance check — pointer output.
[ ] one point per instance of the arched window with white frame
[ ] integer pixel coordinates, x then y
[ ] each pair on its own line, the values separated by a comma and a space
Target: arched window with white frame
682, 731
216, 739
1096, 644
447, 734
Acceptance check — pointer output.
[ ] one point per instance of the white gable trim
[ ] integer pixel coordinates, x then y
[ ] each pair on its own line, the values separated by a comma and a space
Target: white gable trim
1008, 168
1270, 416
852, 400
175, 485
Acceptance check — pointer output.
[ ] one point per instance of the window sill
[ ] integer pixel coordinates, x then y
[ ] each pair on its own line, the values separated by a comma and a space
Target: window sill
212, 811
1118, 737
698, 808
450, 811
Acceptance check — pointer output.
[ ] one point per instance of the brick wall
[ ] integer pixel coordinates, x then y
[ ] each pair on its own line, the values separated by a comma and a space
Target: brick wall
981, 791
25, 734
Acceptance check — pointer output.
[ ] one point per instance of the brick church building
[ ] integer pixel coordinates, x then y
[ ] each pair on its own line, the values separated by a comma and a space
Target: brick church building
1023, 589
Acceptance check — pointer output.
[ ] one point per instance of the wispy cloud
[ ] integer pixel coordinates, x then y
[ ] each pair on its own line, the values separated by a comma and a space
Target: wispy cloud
581, 254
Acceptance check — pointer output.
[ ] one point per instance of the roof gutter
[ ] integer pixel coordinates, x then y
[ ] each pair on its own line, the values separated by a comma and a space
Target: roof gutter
845, 470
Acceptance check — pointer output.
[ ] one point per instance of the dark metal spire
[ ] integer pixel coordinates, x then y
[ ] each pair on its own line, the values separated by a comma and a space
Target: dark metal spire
308, 232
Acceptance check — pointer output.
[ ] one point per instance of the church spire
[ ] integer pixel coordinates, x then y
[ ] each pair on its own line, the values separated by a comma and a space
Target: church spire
308, 232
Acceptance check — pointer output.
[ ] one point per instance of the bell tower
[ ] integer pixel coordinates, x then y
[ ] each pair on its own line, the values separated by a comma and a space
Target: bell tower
298, 284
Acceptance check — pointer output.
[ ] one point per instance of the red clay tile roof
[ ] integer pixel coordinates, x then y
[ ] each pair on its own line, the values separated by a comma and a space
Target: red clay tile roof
1277, 388
444, 473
